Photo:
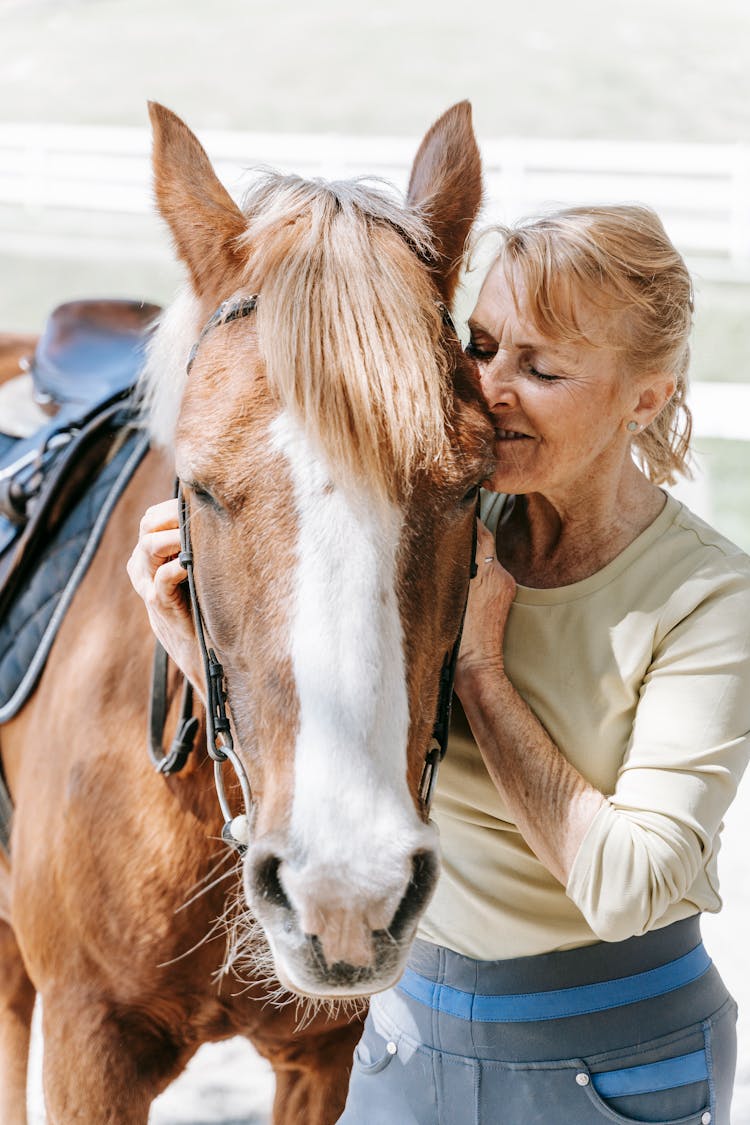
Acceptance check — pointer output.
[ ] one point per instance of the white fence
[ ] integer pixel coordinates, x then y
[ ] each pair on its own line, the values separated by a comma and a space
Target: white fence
702, 192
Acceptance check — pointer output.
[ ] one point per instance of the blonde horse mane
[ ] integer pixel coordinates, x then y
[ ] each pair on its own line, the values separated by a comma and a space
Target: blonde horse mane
348, 327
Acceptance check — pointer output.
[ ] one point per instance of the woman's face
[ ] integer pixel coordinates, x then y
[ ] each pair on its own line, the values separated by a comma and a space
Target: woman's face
560, 408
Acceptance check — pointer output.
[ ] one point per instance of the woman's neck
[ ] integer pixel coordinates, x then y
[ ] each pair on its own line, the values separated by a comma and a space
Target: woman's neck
555, 541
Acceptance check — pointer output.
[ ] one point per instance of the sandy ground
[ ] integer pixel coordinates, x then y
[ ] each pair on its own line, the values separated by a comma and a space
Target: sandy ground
228, 1084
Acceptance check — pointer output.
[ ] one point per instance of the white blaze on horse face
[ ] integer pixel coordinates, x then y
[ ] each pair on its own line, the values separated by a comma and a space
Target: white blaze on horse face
354, 826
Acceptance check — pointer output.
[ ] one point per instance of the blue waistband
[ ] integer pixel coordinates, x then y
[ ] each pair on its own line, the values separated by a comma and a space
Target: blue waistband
559, 1003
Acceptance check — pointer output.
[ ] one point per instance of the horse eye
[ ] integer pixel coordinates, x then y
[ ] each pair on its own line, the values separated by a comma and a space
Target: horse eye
471, 496
203, 494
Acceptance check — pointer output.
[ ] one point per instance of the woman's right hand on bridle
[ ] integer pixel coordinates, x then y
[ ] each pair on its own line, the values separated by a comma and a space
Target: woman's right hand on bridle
157, 577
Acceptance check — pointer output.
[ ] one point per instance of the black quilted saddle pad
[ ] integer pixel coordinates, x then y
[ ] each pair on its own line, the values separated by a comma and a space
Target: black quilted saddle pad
29, 624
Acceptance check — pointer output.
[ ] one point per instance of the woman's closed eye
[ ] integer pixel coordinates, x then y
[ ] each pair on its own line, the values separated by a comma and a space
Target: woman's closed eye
481, 350
543, 376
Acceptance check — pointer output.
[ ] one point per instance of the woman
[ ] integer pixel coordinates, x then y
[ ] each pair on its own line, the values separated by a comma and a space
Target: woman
604, 679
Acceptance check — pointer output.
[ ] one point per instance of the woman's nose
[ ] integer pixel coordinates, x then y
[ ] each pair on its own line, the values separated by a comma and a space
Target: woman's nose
497, 382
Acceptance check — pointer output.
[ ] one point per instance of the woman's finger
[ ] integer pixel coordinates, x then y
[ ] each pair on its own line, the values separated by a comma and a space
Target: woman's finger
159, 546
160, 517
157, 576
149, 554
485, 544
167, 583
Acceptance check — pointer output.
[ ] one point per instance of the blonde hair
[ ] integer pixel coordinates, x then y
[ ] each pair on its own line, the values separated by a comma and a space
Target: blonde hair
620, 259
348, 323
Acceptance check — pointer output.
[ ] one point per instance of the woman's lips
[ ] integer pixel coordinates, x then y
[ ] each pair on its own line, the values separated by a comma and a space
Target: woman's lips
509, 435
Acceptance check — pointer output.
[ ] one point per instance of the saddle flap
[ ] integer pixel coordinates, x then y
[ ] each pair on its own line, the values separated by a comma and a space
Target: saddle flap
91, 350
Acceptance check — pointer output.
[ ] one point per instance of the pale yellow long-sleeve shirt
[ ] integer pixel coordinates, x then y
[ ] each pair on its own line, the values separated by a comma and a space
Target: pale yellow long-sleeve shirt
641, 676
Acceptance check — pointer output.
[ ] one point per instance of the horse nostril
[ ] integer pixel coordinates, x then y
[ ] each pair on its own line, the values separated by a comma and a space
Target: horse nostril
267, 884
424, 873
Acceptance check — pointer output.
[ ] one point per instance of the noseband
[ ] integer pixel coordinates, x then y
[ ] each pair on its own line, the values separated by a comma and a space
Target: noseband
220, 745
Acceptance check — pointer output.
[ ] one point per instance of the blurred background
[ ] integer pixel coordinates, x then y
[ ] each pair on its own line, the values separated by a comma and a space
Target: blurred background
573, 102
580, 101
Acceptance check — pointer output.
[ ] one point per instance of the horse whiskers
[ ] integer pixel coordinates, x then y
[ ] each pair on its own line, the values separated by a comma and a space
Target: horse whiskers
248, 956
249, 959
227, 854
206, 889
308, 1008
246, 943
214, 929
211, 933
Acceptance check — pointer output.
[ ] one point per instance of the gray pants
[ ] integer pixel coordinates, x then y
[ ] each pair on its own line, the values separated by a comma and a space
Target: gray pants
635, 1031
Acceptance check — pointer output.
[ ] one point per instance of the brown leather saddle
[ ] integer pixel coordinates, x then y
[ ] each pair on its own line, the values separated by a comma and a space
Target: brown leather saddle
90, 350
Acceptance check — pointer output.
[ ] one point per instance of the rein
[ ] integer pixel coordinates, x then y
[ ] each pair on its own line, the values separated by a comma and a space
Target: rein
220, 744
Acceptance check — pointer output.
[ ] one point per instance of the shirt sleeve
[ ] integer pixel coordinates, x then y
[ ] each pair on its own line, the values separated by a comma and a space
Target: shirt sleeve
689, 746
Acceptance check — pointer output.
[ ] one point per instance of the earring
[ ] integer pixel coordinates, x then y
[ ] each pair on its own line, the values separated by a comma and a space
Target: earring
633, 426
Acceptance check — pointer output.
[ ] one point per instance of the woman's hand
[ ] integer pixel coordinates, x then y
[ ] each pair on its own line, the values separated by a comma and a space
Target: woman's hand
550, 802
491, 595
157, 577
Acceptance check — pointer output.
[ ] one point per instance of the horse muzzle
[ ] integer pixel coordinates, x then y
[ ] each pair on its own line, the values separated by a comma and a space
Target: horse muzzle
327, 937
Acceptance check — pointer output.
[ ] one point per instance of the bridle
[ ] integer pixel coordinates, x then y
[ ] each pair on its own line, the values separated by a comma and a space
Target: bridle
220, 743
441, 727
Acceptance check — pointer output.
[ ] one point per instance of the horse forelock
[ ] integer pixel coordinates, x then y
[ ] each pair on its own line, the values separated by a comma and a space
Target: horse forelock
348, 325
348, 328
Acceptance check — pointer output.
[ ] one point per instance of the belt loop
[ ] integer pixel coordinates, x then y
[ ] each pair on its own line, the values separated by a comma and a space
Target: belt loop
436, 1021
471, 1025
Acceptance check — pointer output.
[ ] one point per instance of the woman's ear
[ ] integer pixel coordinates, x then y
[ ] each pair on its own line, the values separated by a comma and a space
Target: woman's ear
656, 392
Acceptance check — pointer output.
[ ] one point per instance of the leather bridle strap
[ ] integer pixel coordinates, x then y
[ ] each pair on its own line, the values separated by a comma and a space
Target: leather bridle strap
232, 309
219, 741
441, 727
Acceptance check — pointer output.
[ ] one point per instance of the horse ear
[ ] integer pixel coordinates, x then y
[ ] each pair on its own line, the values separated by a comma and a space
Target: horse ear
204, 219
446, 186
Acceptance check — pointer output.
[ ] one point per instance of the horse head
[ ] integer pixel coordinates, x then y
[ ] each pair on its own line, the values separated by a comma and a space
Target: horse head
330, 446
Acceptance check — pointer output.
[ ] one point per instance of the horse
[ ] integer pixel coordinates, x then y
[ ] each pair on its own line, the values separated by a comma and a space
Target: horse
329, 441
